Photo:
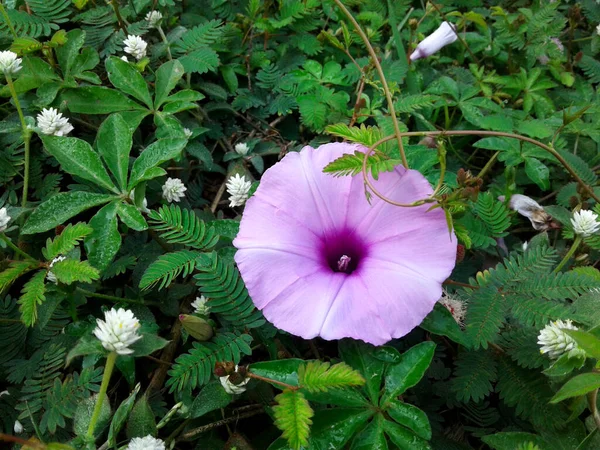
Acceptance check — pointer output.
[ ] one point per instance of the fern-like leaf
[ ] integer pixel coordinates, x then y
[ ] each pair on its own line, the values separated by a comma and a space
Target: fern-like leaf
14, 271
168, 267
319, 376
32, 296
293, 416
412, 103
66, 241
200, 36
194, 368
366, 136
182, 226
536, 312
474, 374
69, 271
12, 332
493, 213
591, 68
581, 168
352, 164
485, 316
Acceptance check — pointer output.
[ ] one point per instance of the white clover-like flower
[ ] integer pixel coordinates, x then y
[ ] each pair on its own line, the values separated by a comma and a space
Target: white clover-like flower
146, 443
457, 308
200, 306
135, 46
173, 190
598, 27
238, 189
4, 219
585, 222
153, 18
188, 133
118, 330
234, 389
441, 37
10, 64
241, 148
51, 122
124, 58
18, 427
554, 341
528, 207
50, 276
144, 207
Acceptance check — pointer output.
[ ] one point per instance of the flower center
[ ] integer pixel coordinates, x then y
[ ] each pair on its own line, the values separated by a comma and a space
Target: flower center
342, 251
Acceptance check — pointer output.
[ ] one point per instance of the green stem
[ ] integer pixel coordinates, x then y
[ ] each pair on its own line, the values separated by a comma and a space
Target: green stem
7, 20
115, 299
488, 165
386, 89
583, 39
591, 397
569, 254
26, 138
115, 7
164, 39
15, 248
108, 368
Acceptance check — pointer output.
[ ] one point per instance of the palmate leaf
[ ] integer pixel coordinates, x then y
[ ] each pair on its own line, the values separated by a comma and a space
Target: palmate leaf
69, 271
319, 376
167, 267
194, 368
293, 416
352, 164
32, 296
182, 226
66, 241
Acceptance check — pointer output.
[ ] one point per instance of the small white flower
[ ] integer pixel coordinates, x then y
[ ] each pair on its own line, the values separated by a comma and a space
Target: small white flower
4, 219
9, 63
124, 58
234, 389
4, 393
144, 207
50, 276
585, 223
146, 443
118, 330
457, 307
200, 307
598, 27
173, 190
241, 148
135, 46
153, 18
238, 189
554, 341
51, 122
528, 207
18, 427
441, 37
525, 245
188, 133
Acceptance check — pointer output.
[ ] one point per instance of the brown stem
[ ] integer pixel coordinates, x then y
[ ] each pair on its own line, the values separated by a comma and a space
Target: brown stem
167, 354
269, 380
217, 199
20, 441
196, 431
458, 283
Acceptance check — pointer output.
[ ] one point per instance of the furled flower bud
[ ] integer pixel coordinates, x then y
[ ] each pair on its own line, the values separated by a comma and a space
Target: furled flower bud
118, 331
9, 63
238, 188
585, 223
197, 327
18, 427
4, 219
528, 207
441, 37
554, 341
235, 383
135, 46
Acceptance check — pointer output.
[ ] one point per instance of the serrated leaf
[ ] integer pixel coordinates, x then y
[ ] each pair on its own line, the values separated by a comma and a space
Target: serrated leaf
70, 271
32, 296
66, 241
318, 376
293, 416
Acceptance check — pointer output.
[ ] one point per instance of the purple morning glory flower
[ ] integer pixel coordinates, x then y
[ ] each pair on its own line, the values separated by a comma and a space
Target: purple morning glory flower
319, 260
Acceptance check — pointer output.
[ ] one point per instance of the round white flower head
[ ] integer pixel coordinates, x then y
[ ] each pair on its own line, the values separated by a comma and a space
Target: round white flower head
200, 307
153, 18
188, 133
441, 37
234, 389
146, 443
144, 207
124, 58
4, 219
18, 427
118, 330
51, 122
238, 189
554, 341
585, 222
173, 190
457, 308
50, 276
135, 46
9, 63
241, 148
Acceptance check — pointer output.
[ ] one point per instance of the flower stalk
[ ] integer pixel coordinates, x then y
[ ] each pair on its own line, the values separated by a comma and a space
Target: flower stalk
108, 368
165, 40
16, 249
569, 254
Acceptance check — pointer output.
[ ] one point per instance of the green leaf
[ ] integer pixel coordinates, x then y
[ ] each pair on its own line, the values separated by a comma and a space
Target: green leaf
98, 100
68, 52
114, 141
70, 271
316, 376
104, 243
349, 164
372, 436
183, 226
403, 438
440, 322
14, 270
66, 240
284, 370
87, 345
148, 344
144, 167
168, 267
411, 417
200, 61
359, 356
210, 398
587, 341
120, 416
32, 296
293, 416
167, 77
576, 386
83, 415
538, 172
132, 217
408, 372
128, 79
78, 158
141, 420
511, 440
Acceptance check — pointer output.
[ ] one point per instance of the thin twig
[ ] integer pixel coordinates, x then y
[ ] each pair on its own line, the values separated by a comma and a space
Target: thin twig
269, 380
196, 431
217, 199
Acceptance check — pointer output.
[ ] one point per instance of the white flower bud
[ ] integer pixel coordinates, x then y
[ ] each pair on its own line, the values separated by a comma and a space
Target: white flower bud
9, 63
146, 443
51, 122
441, 37
234, 389
18, 427
241, 148
4, 219
585, 223
238, 189
200, 306
118, 331
135, 46
124, 58
554, 341
188, 133
598, 30
173, 190
153, 18
144, 207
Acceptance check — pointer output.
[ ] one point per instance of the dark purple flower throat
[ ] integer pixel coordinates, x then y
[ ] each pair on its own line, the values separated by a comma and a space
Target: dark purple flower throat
342, 250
